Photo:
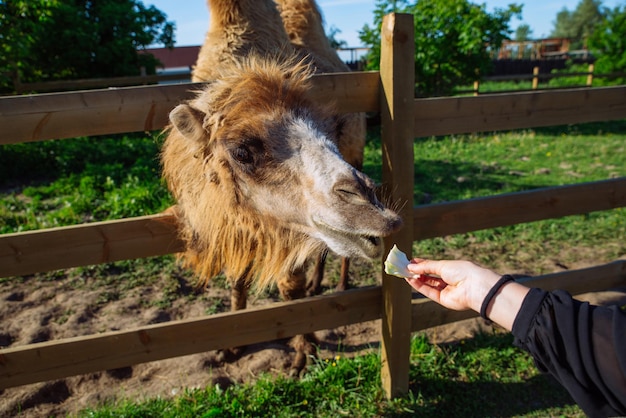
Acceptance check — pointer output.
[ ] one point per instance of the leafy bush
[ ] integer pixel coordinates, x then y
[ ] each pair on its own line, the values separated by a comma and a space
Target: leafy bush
607, 41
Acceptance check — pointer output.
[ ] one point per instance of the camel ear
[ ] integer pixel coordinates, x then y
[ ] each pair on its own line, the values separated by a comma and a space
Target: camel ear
188, 121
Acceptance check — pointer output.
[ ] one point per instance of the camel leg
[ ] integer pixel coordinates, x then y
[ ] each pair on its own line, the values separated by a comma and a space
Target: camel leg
238, 301
344, 275
294, 287
304, 346
239, 295
315, 287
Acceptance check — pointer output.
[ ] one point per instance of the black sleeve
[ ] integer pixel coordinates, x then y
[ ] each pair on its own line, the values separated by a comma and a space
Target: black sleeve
583, 346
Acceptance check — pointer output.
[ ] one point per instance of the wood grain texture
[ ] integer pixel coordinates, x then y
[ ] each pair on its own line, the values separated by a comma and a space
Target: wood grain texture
496, 112
442, 219
146, 108
397, 75
86, 244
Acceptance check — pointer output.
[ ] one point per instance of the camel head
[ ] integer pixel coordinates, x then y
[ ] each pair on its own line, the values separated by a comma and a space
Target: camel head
257, 148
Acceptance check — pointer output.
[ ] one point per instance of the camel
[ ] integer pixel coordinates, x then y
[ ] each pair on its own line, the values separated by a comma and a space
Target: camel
303, 22
260, 185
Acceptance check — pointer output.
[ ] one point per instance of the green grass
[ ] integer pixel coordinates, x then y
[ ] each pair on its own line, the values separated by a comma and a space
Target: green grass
72, 181
484, 376
90, 179
498, 86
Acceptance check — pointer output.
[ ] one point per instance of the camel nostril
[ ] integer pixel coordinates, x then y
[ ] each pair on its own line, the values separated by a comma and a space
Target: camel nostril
395, 224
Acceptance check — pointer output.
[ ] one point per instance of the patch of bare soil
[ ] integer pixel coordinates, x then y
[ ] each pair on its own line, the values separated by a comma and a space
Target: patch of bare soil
36, 309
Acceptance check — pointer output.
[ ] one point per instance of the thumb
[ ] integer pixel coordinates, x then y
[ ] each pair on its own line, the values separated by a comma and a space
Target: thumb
424, 266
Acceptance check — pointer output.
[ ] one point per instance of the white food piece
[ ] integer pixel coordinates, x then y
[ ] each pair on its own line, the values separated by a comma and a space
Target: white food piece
396, 263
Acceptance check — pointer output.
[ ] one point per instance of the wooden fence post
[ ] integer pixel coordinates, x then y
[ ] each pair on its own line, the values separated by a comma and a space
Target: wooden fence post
590, 75
397, 72
535, 78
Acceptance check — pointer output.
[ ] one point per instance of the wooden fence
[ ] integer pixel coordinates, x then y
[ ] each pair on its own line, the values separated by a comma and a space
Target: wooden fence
65, 115
536, 77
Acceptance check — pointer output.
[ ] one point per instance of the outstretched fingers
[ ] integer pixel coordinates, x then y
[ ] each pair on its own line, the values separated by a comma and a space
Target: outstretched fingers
428, 286
423, 266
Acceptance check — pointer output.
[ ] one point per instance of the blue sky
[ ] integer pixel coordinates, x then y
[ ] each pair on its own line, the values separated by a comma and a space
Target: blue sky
349, 16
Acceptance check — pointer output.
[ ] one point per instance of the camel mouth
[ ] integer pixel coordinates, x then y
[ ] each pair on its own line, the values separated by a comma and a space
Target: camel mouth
350, 243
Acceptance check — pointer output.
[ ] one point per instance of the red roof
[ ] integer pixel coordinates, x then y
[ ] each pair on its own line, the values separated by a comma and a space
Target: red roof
181, 56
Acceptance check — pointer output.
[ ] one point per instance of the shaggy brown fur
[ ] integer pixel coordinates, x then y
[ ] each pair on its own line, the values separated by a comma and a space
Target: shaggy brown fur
303, 23
236, 29
221, 231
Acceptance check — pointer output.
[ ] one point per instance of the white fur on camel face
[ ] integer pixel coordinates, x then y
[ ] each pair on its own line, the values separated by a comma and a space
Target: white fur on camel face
271, 151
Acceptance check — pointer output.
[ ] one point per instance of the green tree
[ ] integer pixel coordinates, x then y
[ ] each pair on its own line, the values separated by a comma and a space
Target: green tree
332, 38
608, 43
523, 33
453, 39
579, 24
65, 39
19, 20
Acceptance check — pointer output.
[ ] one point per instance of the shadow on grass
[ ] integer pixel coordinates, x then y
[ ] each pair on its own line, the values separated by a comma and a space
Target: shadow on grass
449, 398
591, 128
441, 181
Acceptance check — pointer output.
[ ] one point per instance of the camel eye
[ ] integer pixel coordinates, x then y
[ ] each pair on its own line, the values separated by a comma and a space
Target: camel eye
243, 155
248, 152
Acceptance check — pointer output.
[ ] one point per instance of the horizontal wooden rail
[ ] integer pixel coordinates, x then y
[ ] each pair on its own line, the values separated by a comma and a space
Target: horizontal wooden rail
427, 314
93, 243
99, 83
494, 112
62, 358
442, 219
101, 242
79, 355
135, 109
85, 113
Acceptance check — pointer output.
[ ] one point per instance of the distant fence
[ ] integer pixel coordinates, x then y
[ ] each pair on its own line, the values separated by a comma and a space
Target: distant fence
536, 77
525, 66
390, 91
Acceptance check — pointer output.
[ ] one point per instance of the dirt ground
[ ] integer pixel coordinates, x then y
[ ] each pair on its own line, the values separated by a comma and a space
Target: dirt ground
33, 310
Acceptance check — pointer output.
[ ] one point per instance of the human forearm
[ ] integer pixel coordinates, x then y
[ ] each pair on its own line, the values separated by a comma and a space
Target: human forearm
465, 285
506, 303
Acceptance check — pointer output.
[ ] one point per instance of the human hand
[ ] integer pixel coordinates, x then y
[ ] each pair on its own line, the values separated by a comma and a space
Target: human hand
460, 285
